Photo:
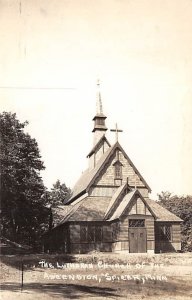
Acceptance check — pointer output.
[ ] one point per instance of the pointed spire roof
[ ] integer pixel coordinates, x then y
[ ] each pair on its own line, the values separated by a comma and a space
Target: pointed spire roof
99, 105
99, 119
99, 110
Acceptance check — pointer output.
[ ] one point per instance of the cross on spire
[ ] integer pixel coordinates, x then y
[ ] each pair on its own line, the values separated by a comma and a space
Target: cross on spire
116, 130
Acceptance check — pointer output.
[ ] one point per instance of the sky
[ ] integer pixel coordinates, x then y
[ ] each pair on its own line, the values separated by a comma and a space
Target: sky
51, 55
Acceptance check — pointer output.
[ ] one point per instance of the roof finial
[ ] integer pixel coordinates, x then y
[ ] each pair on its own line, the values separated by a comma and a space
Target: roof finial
99, 108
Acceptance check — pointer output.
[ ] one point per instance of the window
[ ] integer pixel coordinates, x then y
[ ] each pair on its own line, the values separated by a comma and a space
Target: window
98, 233
83, 233
118, 170
164, 233
136, 223
115, 231
91, 233
168, 233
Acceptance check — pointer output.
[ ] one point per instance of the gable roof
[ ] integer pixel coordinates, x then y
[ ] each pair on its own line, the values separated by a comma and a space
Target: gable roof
133, 166
114, 198
88, 177
102, 139
122, 205
161, 213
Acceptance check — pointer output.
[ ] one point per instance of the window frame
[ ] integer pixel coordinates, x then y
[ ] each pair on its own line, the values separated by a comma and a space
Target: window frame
164, 233
83, 227
91, 233
118, 170
138, 221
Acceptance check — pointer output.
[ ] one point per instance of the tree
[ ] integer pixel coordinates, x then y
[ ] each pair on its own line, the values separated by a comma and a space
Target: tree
58, 195
54, 199
23, 213
182, 207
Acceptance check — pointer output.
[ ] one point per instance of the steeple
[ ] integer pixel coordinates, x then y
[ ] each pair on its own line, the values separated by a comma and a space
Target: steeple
99, 119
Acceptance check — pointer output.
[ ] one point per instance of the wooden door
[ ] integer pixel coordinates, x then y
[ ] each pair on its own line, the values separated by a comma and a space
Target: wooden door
142, 240
137, 240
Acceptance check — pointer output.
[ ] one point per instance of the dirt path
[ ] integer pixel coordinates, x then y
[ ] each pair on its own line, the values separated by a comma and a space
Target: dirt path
98, 277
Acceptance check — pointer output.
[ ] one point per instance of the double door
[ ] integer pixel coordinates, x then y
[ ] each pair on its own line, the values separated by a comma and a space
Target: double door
137, 240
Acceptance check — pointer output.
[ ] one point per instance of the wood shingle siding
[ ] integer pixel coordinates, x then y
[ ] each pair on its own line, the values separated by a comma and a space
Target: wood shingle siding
140, 207
102, 191
150, 245
149, 224
176, 233
107, 178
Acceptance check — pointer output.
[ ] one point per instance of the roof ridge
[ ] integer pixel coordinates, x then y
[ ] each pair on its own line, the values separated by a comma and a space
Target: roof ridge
97, 144
114, 198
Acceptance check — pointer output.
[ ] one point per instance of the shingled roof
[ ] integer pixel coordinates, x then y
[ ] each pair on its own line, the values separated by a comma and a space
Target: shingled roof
122, 205
114, 198
86, 210
89, 175
59, 213
161, 213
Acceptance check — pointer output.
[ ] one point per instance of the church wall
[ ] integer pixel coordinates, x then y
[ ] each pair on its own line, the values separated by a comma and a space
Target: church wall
123, 237
84, 246
57, 240
105, 147
74, 233
144, 192
102, 191
97, 136
138, 210
95, 157
170, 242
100, 151
108, 175
128, 171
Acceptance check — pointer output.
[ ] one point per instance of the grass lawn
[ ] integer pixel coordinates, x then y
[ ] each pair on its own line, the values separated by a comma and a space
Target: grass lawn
97, 276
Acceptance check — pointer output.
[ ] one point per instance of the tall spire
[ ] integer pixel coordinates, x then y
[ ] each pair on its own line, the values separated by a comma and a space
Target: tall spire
99, 125
99, 107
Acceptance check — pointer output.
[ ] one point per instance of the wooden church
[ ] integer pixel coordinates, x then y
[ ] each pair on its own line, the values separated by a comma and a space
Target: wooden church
110, 209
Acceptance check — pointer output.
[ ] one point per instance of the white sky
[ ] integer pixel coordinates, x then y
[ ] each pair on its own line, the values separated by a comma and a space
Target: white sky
141, 51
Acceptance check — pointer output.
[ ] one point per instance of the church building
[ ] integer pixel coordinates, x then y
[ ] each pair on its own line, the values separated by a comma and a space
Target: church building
110, 209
